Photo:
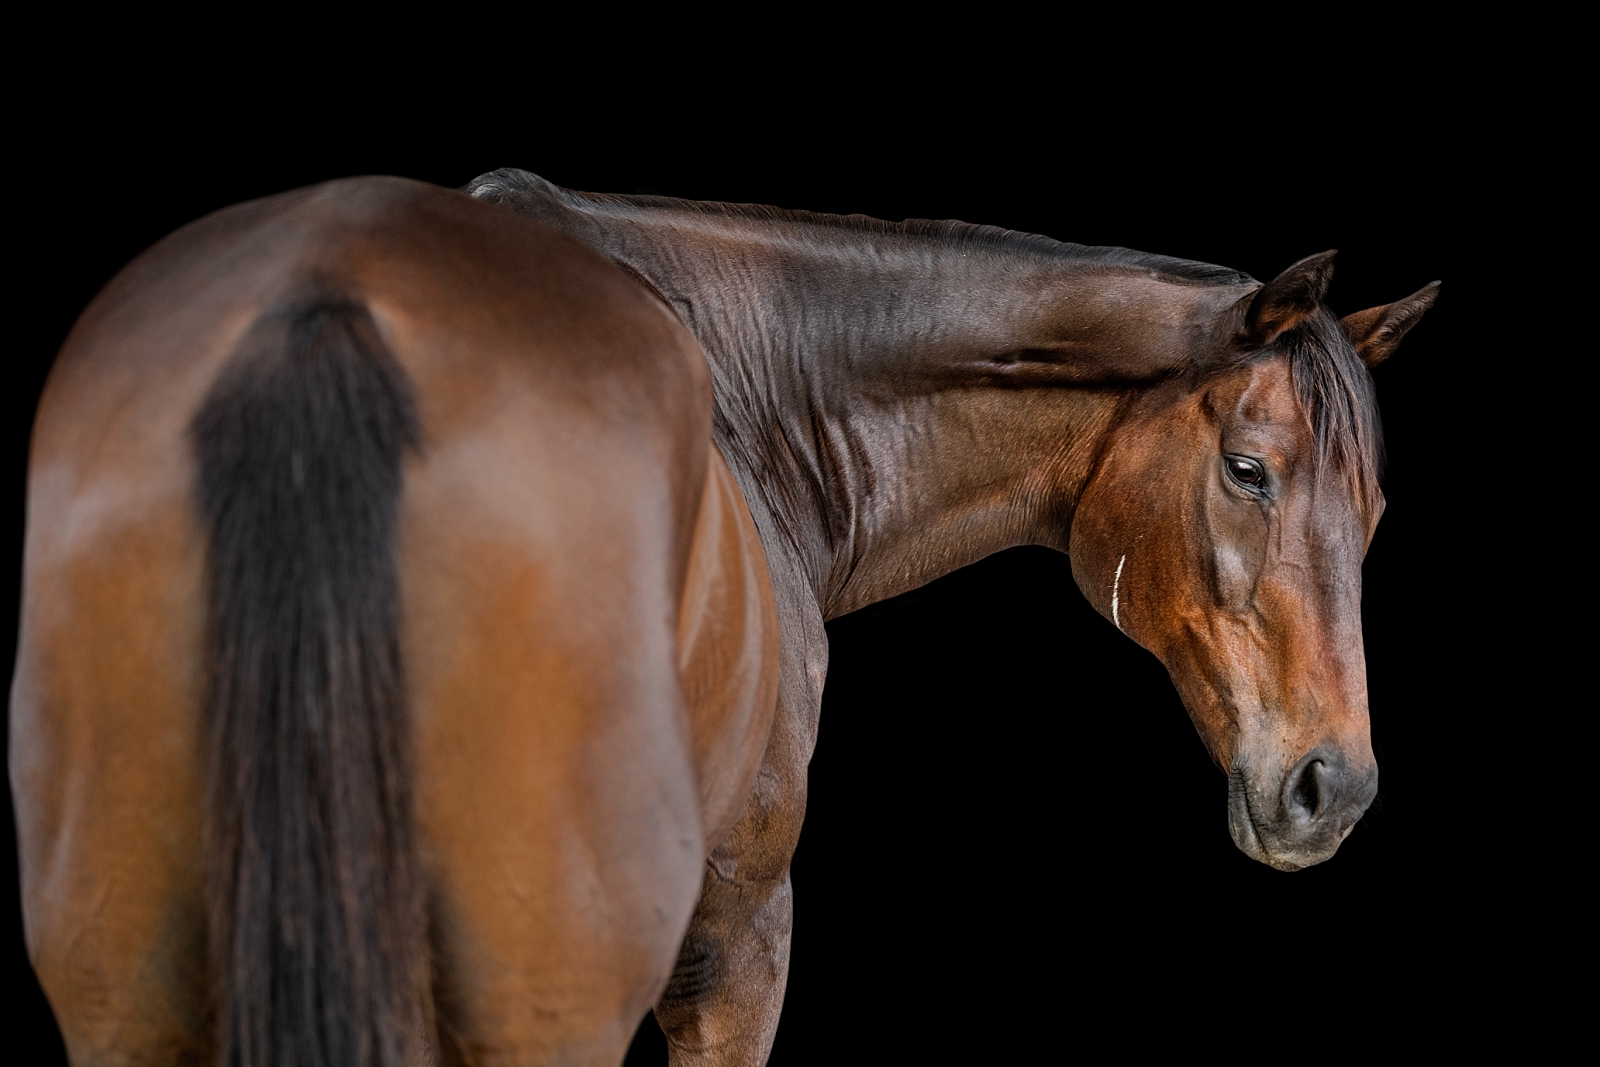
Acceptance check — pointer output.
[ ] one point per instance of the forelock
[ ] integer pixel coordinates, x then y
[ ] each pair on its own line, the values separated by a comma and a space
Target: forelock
1336, 394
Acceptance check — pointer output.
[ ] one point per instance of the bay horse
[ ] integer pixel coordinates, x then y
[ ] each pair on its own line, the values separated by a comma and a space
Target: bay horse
422, 640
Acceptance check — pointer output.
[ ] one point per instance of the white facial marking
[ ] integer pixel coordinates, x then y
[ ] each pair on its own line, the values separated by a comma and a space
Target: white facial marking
1115, 582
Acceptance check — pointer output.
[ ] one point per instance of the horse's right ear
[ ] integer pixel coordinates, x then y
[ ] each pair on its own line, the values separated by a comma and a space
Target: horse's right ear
1287, 300
1376, 332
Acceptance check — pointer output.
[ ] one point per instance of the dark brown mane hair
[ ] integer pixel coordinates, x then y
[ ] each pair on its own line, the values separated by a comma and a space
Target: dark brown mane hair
1333, 385
963, 234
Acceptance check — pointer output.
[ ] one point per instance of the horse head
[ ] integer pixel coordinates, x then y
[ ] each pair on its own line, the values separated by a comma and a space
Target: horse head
1224, 529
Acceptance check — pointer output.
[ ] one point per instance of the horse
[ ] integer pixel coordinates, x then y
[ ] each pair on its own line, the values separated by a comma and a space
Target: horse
422, 639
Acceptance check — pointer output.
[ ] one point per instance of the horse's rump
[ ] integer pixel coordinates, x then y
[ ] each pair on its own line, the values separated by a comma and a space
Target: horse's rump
233, 549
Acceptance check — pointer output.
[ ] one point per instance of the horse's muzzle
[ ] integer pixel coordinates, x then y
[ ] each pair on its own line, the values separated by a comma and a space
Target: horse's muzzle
1299, 818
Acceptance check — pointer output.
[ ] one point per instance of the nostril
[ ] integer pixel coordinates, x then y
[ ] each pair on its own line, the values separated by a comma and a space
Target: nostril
1308, 794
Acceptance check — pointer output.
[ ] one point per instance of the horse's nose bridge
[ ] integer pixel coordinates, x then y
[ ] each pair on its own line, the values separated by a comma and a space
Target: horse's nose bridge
1314, 660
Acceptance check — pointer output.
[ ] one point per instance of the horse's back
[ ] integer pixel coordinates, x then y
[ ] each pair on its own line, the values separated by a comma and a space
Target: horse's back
548, 526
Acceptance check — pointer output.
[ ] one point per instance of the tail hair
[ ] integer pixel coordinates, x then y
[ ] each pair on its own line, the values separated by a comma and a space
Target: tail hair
316, 923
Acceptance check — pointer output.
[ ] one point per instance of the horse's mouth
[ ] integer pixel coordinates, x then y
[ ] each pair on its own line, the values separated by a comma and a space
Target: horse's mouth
1290, 845
1242, 822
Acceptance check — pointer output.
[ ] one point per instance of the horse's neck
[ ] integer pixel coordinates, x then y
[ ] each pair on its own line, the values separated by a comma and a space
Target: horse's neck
894, 405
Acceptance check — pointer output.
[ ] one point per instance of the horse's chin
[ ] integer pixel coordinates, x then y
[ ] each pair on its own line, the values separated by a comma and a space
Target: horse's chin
1283, 859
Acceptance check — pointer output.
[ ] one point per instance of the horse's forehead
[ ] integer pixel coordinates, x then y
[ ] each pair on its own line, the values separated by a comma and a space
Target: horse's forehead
1261, 393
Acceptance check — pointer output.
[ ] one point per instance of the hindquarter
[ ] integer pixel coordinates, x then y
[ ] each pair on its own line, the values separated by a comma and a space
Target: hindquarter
105, 732
105, 754
546, 531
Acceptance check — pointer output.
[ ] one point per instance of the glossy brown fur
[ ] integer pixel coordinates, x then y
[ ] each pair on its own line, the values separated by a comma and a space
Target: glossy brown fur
638, 495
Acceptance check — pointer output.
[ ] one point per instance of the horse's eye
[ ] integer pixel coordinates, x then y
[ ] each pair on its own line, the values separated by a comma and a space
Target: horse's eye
1247, 472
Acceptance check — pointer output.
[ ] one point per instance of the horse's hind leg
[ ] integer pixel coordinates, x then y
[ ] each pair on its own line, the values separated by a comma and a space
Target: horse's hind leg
726, 993
105, 767
721, 1007
556, 801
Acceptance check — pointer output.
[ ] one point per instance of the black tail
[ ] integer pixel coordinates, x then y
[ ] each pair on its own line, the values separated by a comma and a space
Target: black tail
316, 920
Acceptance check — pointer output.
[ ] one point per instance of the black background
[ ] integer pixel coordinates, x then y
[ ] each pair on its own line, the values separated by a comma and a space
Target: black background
1014, 834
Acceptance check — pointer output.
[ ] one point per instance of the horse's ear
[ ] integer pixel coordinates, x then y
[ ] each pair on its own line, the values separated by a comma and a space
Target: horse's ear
1376, 332
1287, 300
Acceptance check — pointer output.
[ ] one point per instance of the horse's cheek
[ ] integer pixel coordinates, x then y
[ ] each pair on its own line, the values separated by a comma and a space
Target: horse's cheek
1236, 552
1234, 571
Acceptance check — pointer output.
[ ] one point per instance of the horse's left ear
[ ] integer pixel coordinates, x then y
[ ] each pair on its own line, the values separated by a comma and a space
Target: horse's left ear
1287, 300
1376, 332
